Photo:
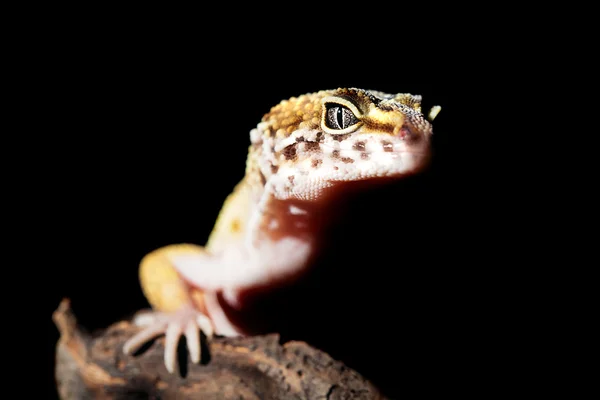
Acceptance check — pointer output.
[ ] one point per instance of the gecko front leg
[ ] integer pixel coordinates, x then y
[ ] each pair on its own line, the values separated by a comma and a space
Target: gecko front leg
177, 309
271, 248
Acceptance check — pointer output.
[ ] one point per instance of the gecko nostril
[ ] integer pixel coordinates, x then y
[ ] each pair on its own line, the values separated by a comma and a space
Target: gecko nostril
404, 132
409, 133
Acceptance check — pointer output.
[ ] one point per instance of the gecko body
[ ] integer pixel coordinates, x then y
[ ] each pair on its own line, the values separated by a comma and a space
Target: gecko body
303, 155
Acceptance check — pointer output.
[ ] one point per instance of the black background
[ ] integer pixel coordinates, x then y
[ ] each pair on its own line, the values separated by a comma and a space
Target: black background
148, 125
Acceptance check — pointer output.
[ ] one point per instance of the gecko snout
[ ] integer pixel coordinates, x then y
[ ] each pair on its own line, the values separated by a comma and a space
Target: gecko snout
410, 133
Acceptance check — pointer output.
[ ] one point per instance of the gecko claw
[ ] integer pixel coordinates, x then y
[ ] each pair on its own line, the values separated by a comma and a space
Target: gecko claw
186, 321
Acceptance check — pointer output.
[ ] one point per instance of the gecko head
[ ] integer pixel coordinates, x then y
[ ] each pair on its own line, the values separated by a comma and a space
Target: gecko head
345, 135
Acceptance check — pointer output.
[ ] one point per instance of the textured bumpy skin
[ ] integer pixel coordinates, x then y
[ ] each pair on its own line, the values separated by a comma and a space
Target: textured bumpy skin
304, 150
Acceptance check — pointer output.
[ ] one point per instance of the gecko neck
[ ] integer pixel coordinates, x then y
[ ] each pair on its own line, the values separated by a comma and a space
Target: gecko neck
308, 219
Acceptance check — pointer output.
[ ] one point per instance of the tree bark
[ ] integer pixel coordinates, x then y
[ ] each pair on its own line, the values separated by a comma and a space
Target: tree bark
94, 367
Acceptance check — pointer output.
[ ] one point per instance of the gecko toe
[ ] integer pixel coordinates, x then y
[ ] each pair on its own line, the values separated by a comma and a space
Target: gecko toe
137, 340
192, 338
172, 336
205, 325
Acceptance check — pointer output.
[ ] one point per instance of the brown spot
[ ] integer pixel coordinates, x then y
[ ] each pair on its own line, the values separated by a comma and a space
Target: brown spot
291, 179
319, 136
340, 138
300, 139
316, 163
359, 146
364, 156
311, 146
290, 152
235, 226
335, 168
387, 146
274, 169
335, 154
347, 160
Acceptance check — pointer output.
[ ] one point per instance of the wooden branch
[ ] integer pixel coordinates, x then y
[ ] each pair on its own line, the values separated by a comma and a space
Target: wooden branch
231, 368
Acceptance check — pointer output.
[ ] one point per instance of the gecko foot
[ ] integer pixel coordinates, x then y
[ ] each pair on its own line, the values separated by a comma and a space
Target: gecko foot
186, 321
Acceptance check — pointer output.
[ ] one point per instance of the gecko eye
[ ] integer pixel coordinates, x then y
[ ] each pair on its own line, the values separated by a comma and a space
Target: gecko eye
339, 117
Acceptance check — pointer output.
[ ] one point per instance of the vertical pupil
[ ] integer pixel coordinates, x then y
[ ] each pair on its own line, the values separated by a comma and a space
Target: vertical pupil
340, 117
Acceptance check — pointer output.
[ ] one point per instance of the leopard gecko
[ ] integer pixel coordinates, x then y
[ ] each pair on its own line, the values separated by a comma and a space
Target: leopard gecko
268, 231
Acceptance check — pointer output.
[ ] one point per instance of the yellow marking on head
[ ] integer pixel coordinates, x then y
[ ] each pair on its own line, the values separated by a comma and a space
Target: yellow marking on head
295, 113
382, 121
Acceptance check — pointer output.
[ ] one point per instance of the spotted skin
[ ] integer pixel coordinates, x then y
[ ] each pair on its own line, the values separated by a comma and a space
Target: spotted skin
291, 139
